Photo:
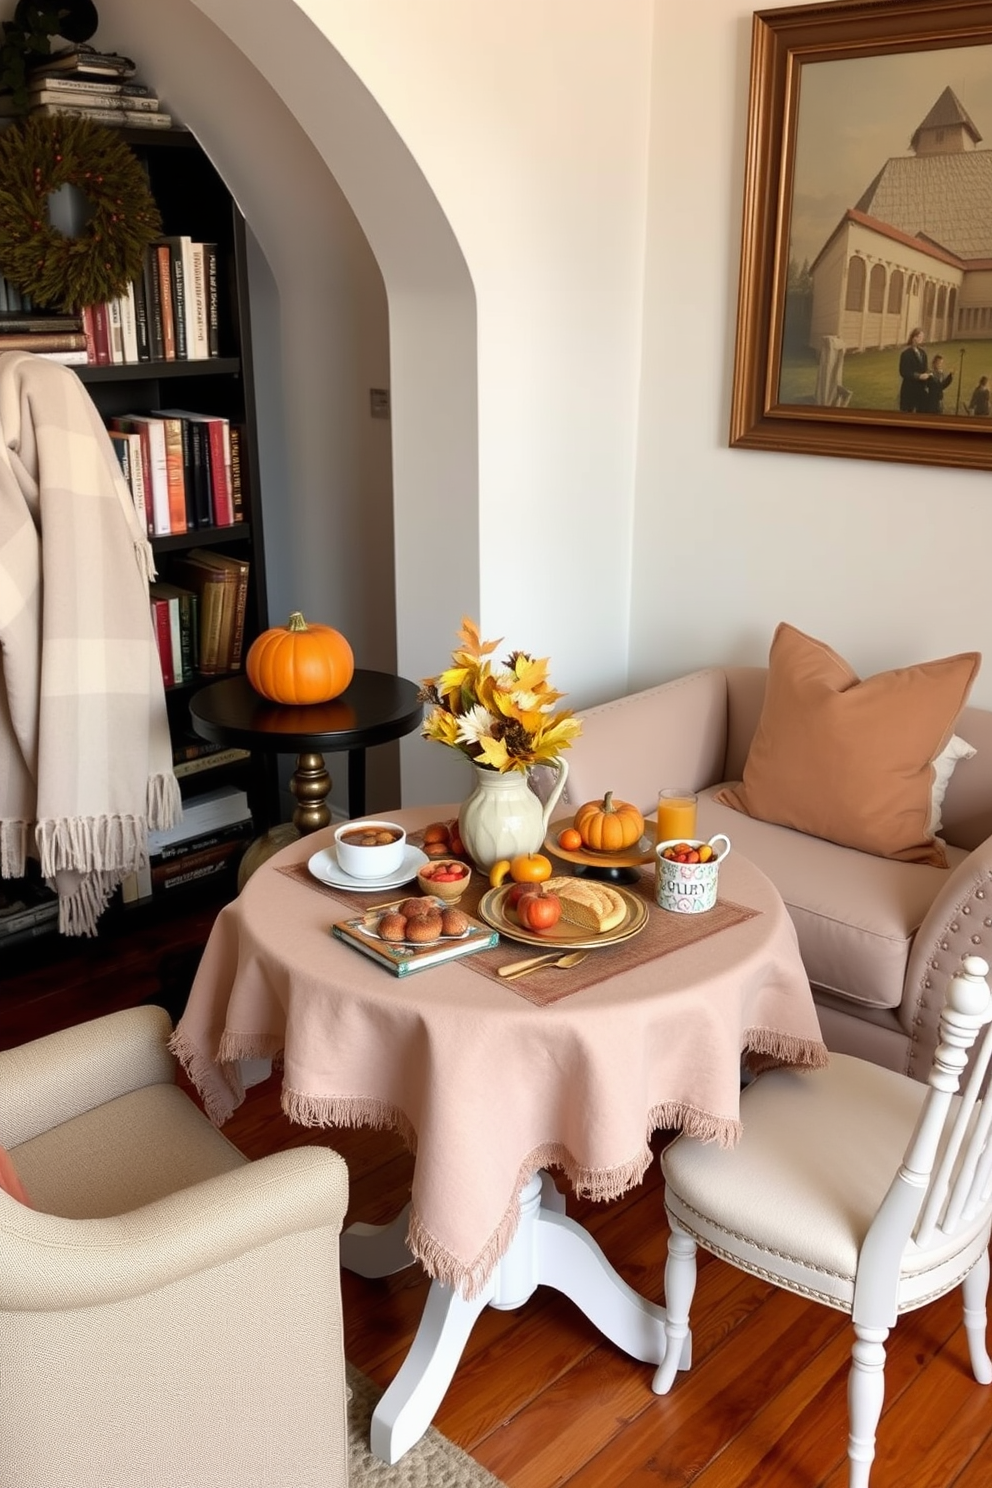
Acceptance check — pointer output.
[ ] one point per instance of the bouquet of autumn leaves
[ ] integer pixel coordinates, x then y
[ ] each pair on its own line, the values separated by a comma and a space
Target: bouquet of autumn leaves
502, 717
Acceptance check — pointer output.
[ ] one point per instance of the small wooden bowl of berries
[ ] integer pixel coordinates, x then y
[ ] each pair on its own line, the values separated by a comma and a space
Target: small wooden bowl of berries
445, 878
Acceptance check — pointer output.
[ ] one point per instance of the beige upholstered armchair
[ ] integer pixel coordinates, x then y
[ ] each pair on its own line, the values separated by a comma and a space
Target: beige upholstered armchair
170, 1313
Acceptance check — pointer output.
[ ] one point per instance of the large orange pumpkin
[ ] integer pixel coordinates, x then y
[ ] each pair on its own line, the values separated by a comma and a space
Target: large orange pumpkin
608, 825
300, 663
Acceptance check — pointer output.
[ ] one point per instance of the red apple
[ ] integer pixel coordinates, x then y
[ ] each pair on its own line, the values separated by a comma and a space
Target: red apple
537, 910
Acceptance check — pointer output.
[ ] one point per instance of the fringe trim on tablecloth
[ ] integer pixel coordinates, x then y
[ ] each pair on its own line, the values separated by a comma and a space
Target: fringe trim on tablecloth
341, 1110
219, 1084
766, 1048
600, 1184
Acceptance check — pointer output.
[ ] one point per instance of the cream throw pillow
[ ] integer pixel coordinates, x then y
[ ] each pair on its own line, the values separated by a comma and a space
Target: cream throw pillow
850, 760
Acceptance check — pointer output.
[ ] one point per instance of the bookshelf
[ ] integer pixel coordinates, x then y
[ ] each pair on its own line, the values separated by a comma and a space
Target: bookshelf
194, 200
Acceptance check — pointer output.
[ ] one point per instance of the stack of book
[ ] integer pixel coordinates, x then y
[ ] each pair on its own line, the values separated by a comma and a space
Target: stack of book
56, 337
172, 313
85, 83
209, 839
27, 909
192, 755
175, 618
199, 621
183, 469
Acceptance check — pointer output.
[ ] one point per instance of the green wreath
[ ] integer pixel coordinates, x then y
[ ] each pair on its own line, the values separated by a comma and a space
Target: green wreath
41, 154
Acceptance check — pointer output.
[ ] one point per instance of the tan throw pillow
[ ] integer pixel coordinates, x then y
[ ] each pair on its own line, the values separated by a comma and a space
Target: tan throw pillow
851, 760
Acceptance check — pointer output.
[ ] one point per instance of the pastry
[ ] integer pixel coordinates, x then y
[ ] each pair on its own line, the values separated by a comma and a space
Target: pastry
592, 905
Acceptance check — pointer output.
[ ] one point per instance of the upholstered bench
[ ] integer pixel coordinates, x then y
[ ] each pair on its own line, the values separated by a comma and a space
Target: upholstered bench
880, 938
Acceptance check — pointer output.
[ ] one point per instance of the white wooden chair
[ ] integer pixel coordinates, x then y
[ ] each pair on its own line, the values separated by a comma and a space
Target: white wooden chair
854, 1186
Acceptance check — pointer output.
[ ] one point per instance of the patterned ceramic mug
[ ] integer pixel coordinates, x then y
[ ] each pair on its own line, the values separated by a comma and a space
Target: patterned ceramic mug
689, 888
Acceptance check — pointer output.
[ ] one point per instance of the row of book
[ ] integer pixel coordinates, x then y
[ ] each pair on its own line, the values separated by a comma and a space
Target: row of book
198, 615
213, 832
170, 314
183, 469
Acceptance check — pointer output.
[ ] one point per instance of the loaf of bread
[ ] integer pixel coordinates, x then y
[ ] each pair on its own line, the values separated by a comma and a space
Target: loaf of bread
588, 903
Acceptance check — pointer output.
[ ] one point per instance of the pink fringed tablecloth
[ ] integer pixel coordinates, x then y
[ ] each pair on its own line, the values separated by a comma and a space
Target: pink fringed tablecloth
483, 1085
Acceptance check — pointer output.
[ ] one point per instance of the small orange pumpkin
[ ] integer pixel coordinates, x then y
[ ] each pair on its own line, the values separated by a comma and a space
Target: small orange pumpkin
608, 825
300, 663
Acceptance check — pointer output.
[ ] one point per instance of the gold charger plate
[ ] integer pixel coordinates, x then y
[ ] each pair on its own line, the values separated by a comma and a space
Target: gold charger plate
631, 857
564, 936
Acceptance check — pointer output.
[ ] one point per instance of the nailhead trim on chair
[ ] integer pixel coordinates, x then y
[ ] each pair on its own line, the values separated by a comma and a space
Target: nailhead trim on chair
790, 1286
742, 1265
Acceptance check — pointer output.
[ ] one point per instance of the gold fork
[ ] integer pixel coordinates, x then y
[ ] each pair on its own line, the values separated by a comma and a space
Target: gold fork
521, 968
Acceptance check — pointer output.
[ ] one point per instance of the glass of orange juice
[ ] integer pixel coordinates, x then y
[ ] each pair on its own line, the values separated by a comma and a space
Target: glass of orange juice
676, 814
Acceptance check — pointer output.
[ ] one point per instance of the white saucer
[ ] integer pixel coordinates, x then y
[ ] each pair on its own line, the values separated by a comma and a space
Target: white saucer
325, 866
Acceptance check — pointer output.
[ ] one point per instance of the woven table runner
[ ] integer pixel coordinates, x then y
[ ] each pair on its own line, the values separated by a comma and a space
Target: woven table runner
662, 934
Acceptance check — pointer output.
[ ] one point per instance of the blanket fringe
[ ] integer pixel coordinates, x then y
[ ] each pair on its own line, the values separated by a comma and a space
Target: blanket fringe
145, 558
165, 802
91, 844
82, 904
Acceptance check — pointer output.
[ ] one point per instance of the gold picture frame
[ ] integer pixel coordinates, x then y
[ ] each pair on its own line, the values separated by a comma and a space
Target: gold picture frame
832, 87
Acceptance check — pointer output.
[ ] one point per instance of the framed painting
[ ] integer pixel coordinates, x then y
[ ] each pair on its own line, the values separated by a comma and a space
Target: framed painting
864, 324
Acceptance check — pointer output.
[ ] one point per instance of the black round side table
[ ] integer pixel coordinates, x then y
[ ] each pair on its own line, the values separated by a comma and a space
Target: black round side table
375, 708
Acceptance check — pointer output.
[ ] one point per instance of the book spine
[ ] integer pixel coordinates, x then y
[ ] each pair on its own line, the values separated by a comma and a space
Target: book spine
122, 450
119, 116
152, 437
179, 292
189, 468
127, 448
115, 322
42, 340
101, 336
190, 869
91, 85
214, 837
176, 640
218, 440
240, 610
142, 338
163, 636
172, 429
153, 304
202, 473
228, 610
138, 482
167, 302
129, 325
61, 324
205, 762
213, 298
237, 484
199, 346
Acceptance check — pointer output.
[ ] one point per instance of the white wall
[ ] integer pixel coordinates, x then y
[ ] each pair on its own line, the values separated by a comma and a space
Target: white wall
887, 563
529, 125
552, 193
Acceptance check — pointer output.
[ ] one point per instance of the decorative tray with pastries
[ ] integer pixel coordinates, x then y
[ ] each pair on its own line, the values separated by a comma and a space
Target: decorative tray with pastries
593, 914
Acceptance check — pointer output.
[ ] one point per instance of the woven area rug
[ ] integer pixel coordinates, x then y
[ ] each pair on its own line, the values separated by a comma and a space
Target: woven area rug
433, 1462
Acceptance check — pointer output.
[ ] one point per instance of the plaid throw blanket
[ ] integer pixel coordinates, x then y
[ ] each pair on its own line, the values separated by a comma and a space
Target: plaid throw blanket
85, 755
